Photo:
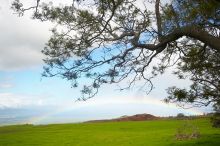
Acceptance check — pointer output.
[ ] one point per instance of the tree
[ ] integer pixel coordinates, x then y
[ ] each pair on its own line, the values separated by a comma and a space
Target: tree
109, 41
180, 115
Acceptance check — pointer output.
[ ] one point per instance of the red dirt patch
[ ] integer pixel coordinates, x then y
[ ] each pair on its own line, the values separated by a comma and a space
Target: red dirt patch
138, 117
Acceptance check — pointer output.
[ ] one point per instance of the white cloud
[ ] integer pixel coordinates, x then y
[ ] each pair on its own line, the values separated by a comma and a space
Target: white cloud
6, 85
10, 100
6, 82
21, 39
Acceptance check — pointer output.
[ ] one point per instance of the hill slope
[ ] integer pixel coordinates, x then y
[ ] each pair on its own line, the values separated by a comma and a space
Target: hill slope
137, 117
140, 133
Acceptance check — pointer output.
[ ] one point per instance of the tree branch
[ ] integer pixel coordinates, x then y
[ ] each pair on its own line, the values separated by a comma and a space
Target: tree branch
158, 18
189, 31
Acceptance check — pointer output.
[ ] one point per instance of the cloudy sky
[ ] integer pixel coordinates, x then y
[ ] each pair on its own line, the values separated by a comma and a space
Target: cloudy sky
26, 97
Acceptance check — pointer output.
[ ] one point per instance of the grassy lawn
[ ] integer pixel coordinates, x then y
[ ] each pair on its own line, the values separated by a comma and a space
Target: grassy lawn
146, 133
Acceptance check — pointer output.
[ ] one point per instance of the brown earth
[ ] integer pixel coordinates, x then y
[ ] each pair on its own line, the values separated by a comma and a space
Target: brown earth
138, 117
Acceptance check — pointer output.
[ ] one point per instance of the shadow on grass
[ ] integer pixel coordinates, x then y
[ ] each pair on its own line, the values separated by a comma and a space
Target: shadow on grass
205, 140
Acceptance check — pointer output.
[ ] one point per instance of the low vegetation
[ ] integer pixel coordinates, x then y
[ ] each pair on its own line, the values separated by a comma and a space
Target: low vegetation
134, 133
187, 131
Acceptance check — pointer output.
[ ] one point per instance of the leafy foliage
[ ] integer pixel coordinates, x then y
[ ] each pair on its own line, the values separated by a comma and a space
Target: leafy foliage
109, 41
203, 68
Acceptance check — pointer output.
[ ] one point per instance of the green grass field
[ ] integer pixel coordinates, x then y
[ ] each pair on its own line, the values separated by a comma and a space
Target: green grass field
146, 133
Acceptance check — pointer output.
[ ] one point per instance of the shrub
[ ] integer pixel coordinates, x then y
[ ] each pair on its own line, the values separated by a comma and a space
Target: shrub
180, 116
216, 120
187, 131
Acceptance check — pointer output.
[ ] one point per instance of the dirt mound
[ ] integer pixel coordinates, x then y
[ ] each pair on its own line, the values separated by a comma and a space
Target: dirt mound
138, 117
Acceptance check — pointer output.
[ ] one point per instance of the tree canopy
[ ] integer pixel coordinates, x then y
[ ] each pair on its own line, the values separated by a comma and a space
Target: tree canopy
109, 41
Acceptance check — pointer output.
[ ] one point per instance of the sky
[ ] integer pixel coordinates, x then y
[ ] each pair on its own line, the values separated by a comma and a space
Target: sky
27, 97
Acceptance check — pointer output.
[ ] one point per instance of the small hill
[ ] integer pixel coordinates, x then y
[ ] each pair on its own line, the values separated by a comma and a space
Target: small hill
138, 117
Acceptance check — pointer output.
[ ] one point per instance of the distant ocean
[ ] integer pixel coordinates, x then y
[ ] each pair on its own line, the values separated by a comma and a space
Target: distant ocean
10, 116
18, 116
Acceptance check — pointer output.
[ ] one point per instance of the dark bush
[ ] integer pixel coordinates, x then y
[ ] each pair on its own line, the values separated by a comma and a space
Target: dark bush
180, 116
216, 120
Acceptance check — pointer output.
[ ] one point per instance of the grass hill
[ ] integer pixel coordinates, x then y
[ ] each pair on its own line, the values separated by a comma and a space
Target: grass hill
127, 133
